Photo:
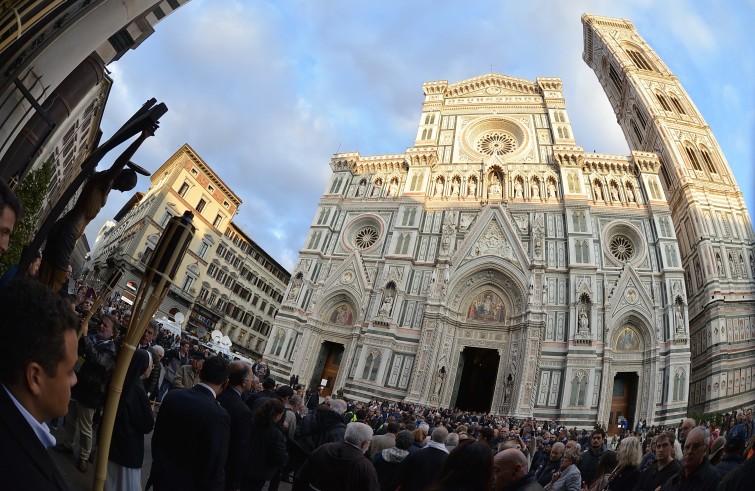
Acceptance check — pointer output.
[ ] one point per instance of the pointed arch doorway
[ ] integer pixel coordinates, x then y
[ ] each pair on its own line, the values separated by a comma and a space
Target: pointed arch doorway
479, 367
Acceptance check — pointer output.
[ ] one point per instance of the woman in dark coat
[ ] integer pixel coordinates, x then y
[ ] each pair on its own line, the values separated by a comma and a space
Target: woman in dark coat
133, 420
267, 447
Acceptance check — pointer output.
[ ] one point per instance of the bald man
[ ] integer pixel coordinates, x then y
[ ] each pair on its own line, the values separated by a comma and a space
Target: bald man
697, 474
510, 472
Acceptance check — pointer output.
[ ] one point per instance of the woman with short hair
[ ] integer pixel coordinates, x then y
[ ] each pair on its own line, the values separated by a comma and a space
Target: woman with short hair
568, 477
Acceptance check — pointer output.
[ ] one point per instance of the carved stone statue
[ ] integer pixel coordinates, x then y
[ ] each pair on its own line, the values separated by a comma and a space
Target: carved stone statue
679, 319
535, 190
552, 190
719, 266
584, 321
495, 186
441, 375
518, 189
472, 188
295, 287
387, 304
598, 193
69, 228
393, 189
454, 188
614, 193
630, 194
438, 187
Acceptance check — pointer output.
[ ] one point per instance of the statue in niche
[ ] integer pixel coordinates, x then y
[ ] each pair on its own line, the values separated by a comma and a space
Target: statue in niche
439, 187
535, 190
679, 319
441, 375
385, 307
598, 192
518, 189
455, 187
360, 188
295, 287
552, 193
472, 188
376, 187
508, 389
630, 194
495, 186
719, 265
614, 193
584, 321
393, 188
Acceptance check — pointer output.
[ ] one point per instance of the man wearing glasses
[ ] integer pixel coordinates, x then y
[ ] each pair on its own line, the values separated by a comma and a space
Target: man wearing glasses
697, 474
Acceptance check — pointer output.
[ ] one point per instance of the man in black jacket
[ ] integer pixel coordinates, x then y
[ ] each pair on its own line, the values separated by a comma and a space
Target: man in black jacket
99, 352
190, 442
239, 381
36, 377
588, 464
545, 472
419, 469
340, 465
324, 426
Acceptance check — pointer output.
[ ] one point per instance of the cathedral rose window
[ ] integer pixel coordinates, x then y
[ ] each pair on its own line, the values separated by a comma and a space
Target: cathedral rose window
366, 237
621, 248
496, 143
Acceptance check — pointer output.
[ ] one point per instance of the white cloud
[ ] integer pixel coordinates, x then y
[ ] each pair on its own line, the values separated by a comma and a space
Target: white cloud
267, 91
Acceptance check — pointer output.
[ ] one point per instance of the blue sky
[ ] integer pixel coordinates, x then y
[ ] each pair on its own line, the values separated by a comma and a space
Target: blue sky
267, 91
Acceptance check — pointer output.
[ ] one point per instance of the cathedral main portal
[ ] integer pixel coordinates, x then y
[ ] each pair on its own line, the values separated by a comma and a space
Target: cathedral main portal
623, 401
477, 379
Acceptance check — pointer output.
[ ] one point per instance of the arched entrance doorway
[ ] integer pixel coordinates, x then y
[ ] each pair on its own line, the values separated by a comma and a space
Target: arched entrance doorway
623, 401
477, 371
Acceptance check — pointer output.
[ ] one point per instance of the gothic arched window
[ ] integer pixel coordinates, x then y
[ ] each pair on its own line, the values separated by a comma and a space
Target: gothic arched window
578, 388
371, 366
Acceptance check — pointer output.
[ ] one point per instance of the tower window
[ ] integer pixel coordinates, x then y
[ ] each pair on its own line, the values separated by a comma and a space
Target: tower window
183, 189
693, 158
664, 102
636, 130
640, 117
708, 161
639, 60
615, 78
677, 105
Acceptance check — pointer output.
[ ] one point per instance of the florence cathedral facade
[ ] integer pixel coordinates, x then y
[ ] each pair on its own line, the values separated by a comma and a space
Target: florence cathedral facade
497, 266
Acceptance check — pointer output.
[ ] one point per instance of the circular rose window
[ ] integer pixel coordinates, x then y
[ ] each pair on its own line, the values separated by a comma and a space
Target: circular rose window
366, 237
621, 248
497, 143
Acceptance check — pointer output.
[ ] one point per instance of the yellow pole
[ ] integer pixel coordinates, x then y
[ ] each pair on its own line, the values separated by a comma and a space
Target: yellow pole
152, 291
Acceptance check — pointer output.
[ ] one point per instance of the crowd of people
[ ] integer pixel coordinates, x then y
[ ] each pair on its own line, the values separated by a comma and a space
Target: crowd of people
220, 424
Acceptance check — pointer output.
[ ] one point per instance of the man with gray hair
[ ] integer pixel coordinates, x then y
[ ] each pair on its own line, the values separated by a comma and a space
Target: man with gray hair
325, 425
341, 465
697, 474
420, 468
452, 441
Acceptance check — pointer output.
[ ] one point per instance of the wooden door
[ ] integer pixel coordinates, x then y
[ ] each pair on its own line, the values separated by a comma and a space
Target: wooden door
330, 371
621, 401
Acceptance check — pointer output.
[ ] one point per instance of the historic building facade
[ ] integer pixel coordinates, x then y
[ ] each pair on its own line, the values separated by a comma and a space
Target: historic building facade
226, 281
710, 219
497, 266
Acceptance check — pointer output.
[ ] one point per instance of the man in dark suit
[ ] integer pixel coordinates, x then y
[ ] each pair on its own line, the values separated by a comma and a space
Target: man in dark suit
36, 374
239, 381
418, 469
190, 443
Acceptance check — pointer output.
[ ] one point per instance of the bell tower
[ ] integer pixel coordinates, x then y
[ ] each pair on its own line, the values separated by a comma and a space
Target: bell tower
711, 222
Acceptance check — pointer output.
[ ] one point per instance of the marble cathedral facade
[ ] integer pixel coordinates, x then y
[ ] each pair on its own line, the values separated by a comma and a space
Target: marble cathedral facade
496, 265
